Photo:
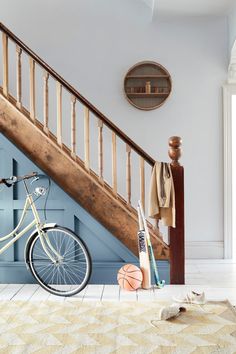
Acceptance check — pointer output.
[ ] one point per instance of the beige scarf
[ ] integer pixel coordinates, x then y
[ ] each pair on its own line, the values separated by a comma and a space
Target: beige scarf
162, 194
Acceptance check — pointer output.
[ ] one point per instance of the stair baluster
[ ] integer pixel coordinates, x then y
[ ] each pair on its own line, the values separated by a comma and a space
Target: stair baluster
18, 77
45, 102
73, 127
86, 139
59, 114
128, 173
142, 181
5, 63
32, 88
100, 149
114, 164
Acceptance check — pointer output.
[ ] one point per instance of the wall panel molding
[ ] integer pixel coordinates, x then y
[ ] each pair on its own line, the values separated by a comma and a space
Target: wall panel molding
102, 273
108, 253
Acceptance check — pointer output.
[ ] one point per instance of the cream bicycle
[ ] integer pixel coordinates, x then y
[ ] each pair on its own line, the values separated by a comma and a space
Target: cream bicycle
57, 257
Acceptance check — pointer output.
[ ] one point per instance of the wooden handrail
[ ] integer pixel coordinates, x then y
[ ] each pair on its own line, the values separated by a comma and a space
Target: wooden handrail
75, 93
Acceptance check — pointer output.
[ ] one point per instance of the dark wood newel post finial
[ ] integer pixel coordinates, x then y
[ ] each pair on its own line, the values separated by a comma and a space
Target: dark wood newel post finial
175, 150
176, 234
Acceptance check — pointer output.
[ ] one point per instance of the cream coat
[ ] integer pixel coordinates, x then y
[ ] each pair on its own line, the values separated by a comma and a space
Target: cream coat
162, 194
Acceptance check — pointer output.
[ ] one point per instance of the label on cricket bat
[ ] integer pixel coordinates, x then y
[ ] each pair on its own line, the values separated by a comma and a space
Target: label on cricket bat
144, 259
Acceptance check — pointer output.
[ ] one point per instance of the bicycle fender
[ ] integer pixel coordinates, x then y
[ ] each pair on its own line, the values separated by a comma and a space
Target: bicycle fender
45, 227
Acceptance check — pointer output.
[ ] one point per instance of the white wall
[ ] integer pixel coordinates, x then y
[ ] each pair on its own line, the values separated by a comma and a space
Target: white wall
232, 26
93, 43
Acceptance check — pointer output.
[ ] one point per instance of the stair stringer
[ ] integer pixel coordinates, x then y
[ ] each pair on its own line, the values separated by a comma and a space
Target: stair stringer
73, 178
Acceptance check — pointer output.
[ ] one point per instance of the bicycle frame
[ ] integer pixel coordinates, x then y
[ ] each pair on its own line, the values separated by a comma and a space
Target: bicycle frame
29, 203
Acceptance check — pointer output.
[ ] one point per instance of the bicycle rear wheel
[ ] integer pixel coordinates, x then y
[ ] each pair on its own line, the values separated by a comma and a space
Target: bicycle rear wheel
66, 275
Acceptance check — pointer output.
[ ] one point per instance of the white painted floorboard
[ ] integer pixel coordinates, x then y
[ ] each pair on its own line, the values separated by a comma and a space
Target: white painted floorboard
56, 298
25, 292
80, 296
94, 291
145, 295
111, 293
128, 295
10, 291
40, 295
217, 279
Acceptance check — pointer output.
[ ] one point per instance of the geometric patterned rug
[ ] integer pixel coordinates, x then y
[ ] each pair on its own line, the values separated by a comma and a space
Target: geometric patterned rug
113, 327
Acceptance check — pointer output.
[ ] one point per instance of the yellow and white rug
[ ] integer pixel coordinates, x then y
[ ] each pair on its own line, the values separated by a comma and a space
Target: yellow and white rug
118, 328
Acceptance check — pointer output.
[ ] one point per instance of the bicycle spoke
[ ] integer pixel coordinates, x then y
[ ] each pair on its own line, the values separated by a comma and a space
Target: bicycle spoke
77, 254
44, 271
78, 269
68, 274
66, 248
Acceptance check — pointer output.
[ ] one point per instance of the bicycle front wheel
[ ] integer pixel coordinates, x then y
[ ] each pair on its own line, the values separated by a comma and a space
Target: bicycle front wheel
69, 271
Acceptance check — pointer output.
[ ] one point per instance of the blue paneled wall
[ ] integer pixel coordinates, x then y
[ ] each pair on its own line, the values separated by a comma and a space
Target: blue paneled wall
108, 253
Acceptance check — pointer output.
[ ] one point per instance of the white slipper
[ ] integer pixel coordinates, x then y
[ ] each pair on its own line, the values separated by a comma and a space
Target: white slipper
170, 311
191, 298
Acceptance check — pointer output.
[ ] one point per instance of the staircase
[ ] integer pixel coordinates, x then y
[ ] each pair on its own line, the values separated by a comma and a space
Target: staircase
42, 139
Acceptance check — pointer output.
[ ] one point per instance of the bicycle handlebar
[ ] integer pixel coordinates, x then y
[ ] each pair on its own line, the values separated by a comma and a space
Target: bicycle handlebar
15, 179
30, 175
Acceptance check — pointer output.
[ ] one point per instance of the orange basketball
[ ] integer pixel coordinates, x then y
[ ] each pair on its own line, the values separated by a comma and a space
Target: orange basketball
130, 277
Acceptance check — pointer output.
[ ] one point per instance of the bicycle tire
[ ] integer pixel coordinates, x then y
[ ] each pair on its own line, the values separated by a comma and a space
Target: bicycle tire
54, 276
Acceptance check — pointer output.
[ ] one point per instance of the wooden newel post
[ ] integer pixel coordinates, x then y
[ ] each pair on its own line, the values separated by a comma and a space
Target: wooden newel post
176, 235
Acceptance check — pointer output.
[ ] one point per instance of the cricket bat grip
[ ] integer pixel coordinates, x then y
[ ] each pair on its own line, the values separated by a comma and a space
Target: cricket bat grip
143, 219
140, 221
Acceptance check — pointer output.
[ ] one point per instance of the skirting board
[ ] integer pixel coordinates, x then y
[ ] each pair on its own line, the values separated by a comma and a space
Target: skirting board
102, 272
204, 250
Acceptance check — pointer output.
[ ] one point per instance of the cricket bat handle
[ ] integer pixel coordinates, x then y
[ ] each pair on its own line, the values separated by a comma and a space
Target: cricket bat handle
144, 260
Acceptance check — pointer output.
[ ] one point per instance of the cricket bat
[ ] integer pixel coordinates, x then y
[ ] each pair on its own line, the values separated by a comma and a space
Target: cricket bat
143, 254
159, 283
